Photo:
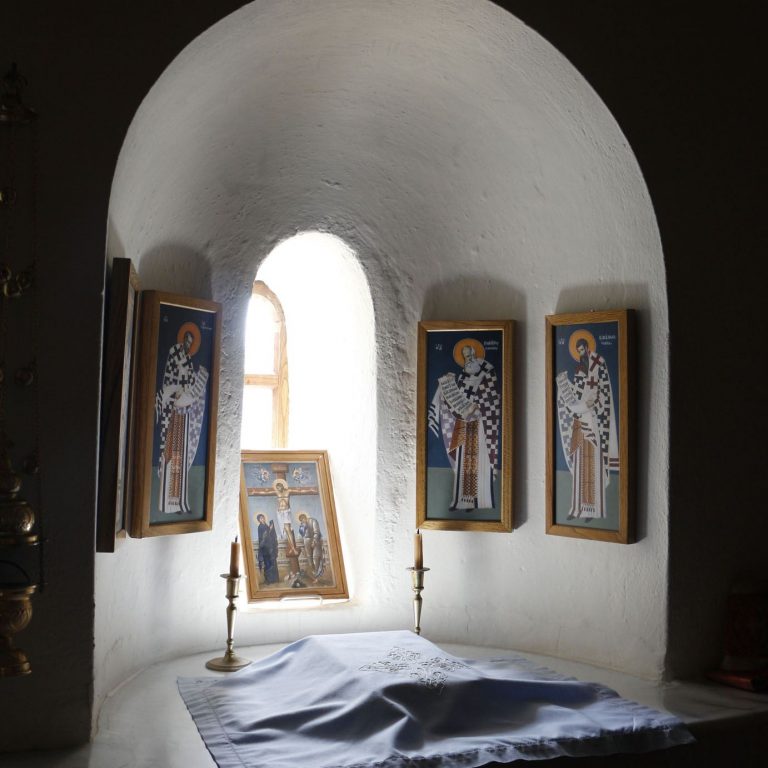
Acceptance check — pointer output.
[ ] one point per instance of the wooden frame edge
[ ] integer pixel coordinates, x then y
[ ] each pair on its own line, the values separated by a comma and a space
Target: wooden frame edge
123, 281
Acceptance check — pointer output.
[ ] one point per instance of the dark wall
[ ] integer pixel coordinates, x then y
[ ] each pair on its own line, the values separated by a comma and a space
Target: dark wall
686, 82
715, 244
89, 65
686, 86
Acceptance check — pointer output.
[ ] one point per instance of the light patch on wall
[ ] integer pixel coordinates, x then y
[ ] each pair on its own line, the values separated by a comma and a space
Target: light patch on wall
331, 371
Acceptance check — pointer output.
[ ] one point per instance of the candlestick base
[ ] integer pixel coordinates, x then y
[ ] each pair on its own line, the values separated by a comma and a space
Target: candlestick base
417, 576
228, 663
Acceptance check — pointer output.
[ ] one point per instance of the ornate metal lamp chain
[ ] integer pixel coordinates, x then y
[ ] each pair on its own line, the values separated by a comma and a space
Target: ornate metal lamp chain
33, 462
7, 194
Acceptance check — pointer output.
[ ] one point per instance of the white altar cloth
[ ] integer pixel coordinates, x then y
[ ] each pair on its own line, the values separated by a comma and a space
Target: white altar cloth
393, 699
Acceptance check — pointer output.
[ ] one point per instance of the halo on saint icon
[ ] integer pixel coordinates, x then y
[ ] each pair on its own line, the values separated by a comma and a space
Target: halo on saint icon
194, 331
459, 346
577, 336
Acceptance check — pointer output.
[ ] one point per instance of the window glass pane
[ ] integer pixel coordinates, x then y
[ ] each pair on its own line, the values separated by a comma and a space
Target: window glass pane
257, 418
261, 328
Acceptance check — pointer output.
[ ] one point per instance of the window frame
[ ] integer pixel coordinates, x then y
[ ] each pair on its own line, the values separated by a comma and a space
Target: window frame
277, 381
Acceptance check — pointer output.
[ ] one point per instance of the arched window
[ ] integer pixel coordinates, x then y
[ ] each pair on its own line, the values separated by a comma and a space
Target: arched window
325, 315
265, 384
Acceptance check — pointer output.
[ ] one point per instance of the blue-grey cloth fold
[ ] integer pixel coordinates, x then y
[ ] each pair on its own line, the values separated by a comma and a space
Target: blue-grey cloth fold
395, 700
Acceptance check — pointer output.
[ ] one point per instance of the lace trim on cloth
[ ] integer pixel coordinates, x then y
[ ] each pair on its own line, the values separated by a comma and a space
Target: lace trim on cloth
428, 671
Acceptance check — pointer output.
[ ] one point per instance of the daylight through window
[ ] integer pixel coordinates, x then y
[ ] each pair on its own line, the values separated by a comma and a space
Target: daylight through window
265, 386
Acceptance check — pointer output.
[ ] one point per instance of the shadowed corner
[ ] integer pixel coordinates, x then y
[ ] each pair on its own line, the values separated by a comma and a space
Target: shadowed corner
176, 268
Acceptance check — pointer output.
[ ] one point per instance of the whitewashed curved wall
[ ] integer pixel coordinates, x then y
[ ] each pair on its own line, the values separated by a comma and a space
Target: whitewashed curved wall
476, 175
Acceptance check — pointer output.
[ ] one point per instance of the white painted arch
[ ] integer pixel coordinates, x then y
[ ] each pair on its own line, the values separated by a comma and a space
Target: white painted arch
476, 175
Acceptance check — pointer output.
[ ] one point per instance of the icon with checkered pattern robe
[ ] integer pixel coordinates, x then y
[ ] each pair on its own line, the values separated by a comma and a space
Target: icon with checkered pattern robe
179, 407
588, 431
466, 412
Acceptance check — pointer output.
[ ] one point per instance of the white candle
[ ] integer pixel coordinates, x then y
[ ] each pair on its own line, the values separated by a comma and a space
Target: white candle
418, 551
234, 559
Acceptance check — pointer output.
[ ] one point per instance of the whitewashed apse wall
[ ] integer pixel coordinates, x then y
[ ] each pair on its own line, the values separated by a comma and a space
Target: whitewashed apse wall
476, 175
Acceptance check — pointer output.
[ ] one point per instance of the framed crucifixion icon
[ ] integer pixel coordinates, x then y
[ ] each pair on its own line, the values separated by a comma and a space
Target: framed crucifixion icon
288, 525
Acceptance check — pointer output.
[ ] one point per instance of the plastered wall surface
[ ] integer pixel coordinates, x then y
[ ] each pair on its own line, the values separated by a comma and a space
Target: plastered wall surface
477, 176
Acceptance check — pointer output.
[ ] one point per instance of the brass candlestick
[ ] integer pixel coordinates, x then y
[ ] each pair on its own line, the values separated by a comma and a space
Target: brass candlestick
229, 662
15, 613
417, 575
17, 521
